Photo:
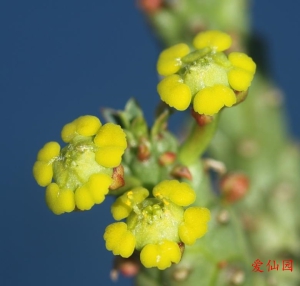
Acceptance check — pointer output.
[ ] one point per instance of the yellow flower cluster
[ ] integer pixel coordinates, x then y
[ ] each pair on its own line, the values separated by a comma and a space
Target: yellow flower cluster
81, 172
157, 224
206, 76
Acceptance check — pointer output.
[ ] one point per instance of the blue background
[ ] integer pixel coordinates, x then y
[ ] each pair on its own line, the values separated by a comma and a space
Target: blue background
62, 59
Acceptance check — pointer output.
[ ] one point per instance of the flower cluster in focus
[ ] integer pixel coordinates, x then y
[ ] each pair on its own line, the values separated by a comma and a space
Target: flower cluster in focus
206, 77
156, 225
79, 175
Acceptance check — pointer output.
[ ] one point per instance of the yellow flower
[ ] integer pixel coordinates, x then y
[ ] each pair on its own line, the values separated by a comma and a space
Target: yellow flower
158, 224
81, 172
206, 77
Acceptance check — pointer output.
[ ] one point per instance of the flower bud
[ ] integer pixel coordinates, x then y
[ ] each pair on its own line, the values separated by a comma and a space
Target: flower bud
167, 158
117, 178
201, 119
234, 187
143, 150
150, 6
180, 172
128, 267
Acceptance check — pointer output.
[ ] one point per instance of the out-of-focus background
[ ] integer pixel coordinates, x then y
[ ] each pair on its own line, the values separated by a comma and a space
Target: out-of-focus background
63, 59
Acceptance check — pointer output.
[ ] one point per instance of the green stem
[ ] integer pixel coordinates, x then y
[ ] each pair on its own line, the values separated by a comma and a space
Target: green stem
197, 142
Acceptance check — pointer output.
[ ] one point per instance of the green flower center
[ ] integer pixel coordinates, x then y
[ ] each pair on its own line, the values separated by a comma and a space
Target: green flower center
204, 68
155, 220
76, 163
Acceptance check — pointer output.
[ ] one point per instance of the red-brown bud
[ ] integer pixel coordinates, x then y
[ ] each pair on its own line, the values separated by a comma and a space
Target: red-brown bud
181, 247
143, 150
118, 178
222, 264
167, 158
240, 96
201, 119
128, 267
150, 6
234, 187
180, 172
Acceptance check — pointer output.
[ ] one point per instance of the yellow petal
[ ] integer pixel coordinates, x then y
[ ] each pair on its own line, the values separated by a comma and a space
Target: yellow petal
83, 198
48, 152
43, 173
110, 156
169, 59
174, 92
87, 125
240, 79
98, 185
68, 132
111, 135
210, 100
213, 39
241, 60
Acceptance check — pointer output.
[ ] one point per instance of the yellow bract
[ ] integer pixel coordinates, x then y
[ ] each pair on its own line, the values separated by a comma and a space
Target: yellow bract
86, 125
98, 185
59, 201
160, 255
194, 225
215, 40
119, 240
239, 79
42, 169
110, 135
84, 197
242, 73
174, 92
48, 152
43, 173
179, 193
109, 156
92, 192
112, 143
241, 60
123, 205
169, 59
210, 100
